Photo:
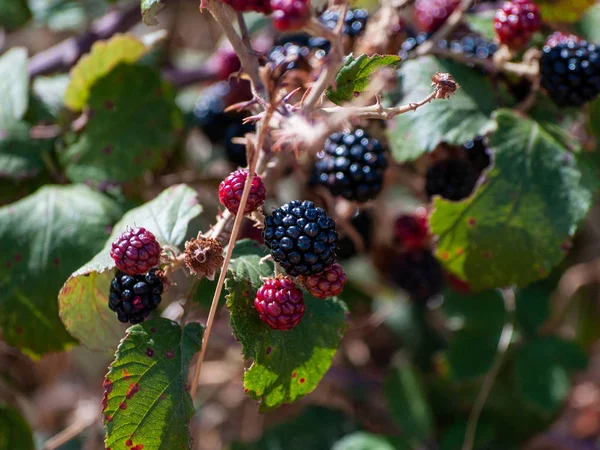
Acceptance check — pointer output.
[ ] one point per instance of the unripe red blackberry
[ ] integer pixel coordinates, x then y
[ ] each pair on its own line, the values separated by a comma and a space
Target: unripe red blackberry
412, 230
431, 14
232, 187
289, 15
516, 22
328, 283
280, 303
559, 37
261, 6
134, 297
135, 251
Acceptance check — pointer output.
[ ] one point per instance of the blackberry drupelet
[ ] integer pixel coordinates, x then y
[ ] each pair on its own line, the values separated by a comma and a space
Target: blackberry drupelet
280, 303
232, 187
326, 284
418, 273
478, 153
352, 165
135, 251
453, 179
301, 237
134, 297
570, 72
516, 22
354, 24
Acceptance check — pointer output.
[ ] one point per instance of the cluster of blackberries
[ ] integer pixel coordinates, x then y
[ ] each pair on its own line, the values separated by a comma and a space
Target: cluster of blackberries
221, 127
455, 178
136, 289
471, 45
296, 50
355, 21
351, 165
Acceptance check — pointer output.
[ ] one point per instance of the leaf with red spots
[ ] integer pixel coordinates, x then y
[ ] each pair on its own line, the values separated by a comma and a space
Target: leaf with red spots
83, 299
286, 364
133, 125
43, 238
515, 228
146, 403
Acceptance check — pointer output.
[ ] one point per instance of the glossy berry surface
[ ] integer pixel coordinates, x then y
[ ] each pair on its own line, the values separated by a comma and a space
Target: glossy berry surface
232, 187
328, 283
354, 23
412, 230
430, 15
570, 72
301, 237
280, 303
418, 273
352, 165
453, 179
134, 297
516, 22
289, 15
261, 6
135, 251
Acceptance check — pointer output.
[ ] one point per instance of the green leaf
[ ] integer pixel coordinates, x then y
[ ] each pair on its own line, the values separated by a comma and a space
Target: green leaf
146, 401
14, 85
13, 13
317, 428
122, 140
408, 403
453, 437
20, 155
471, 353
465, 115
15, 432
483, 23
83, 299
286, 364
543, 368
49, 92
519, 223
102, 59
150, 9
356, 74
588, 25
361, 440
44, 237
533, 304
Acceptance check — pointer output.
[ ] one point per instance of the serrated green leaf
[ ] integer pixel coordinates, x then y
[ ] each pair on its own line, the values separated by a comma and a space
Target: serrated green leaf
146, 401
286, 364
408, 403
356, 74
122, 138
14, 86
246, 262
543, 368
150, 9
102, 59
517, 226
44, 237
588, 25
465, 115
83, 300
317, 428
15, 432
361, 440
13, 13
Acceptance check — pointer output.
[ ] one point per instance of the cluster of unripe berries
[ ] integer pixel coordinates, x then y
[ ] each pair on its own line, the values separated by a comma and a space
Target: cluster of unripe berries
302, 240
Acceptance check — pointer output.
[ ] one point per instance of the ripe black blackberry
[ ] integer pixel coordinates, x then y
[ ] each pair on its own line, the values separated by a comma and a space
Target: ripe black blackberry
413, 42
363, 225
472, 45
417, 272
570, 72
209, 113
478, 153
453, 179
352, 165
292, 54
134, 297
354, 23
301, 237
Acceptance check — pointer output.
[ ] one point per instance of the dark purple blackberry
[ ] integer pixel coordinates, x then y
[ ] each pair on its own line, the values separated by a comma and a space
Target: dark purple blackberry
471, 45
417, 272
478, 153
453, 179
352, 165
363, 224
301, 237
134, 297
354, 24
208, 112
293, 55
571, 72
236, 153
412, 42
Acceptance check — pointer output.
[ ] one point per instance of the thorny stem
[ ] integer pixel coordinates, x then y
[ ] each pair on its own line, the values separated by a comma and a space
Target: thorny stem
488, 382
244, 31
252, 166
336, 57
